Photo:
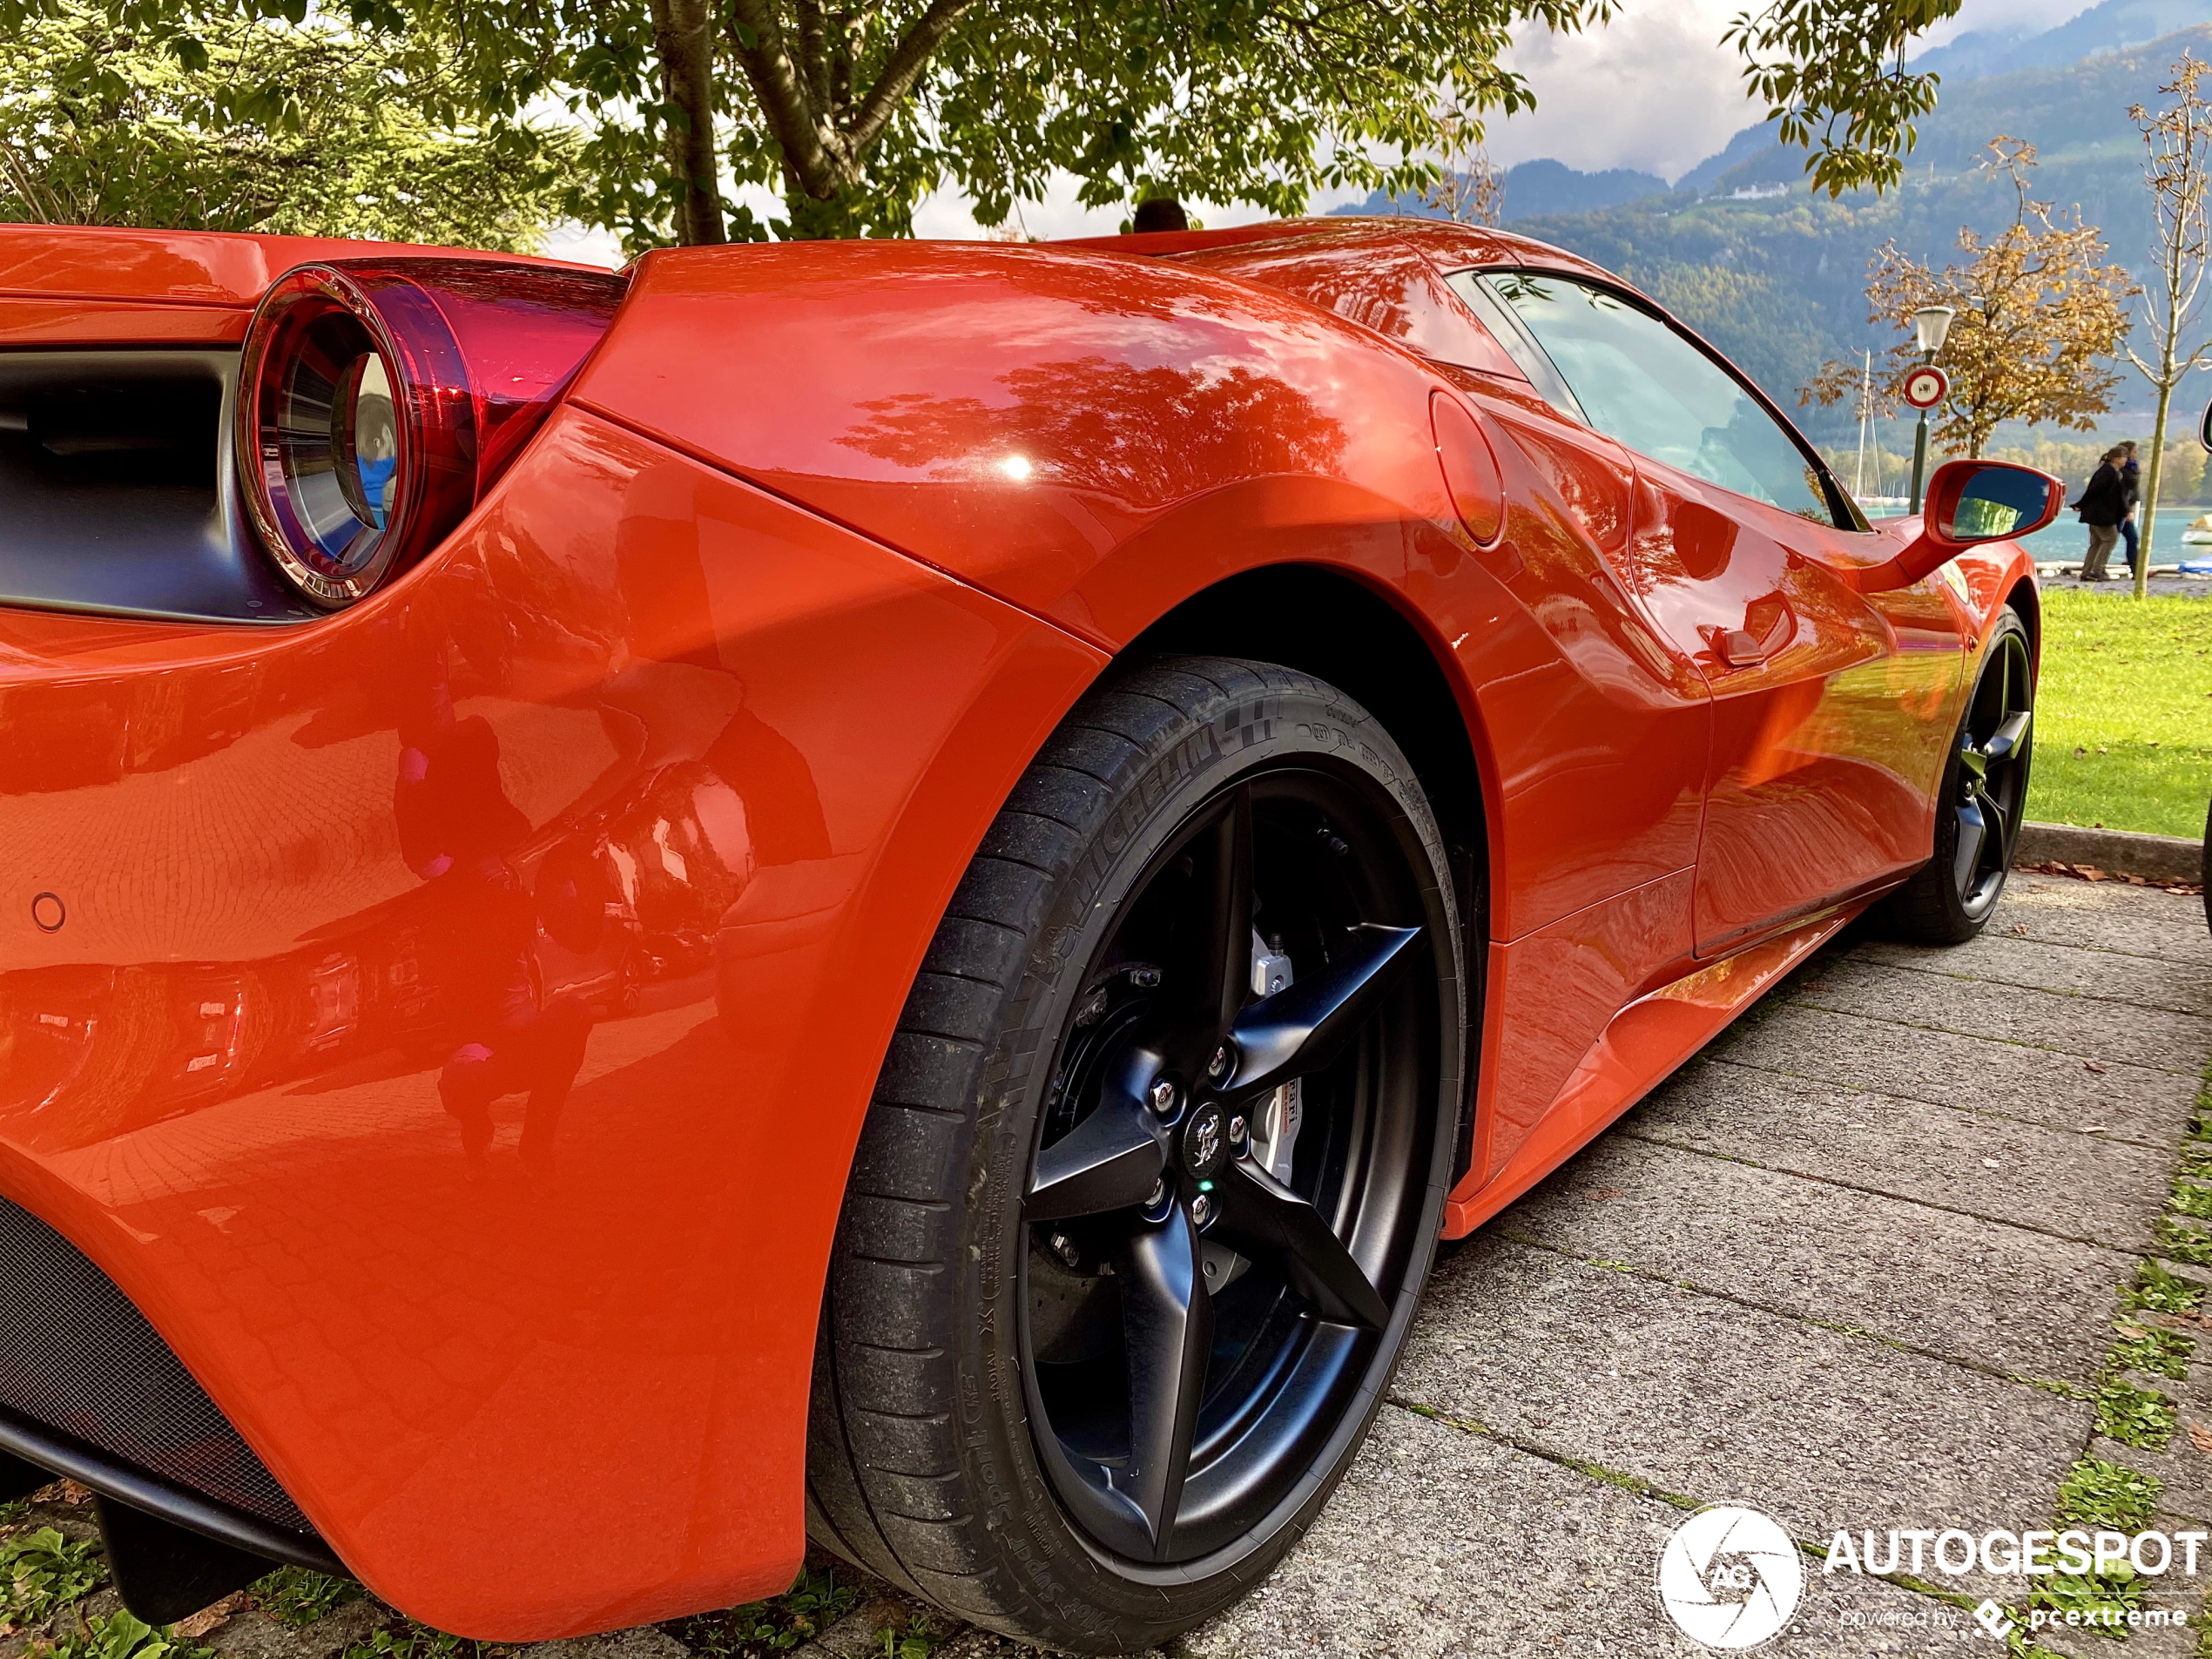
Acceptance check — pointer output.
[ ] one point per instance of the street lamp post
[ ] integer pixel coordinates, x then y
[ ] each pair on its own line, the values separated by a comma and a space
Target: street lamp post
1930, 325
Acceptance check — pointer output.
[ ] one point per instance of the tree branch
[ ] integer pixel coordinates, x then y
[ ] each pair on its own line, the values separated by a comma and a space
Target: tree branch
810, 162
813, 54
904, 68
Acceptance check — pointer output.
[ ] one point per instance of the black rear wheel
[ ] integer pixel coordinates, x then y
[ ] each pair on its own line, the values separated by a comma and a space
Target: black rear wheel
1984, 799
1154, 1170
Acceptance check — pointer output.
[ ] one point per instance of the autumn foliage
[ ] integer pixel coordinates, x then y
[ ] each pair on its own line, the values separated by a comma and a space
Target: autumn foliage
2041, 316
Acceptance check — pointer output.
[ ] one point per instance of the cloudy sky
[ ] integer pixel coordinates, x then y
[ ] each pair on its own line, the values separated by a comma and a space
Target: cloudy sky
1602, 101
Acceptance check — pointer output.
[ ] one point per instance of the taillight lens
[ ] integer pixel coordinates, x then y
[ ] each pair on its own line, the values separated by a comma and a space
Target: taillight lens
378, 399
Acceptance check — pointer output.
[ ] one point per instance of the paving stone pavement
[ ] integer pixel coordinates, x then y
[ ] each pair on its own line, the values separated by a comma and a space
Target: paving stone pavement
1858, 1266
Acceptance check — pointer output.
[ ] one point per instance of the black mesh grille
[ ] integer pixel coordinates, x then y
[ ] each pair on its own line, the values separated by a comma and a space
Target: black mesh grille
76, 1356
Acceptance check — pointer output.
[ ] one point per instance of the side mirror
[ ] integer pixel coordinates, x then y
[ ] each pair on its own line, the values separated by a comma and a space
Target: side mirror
1970, 502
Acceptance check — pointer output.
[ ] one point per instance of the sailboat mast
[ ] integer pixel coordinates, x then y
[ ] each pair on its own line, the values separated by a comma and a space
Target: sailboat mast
1866, 422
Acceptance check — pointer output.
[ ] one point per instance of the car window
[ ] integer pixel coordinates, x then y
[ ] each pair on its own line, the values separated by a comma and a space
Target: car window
1500, 323
1638, 380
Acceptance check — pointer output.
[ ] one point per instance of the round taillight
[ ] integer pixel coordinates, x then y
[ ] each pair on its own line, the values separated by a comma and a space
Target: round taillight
364, 435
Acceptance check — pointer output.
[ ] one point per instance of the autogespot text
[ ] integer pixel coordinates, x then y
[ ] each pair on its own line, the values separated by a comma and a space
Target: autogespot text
2074, 1552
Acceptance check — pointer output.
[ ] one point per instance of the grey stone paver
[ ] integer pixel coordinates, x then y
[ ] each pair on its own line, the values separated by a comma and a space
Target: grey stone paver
2179, 987
645, 1644
1719, 1401
2139, 1102
2084, 1186
2092, 1028
253, 1634
2137, 921
1969, 1290
1444, 1543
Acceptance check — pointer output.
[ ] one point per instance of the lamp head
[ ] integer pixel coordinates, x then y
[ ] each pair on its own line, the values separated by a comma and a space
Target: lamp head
1931, 324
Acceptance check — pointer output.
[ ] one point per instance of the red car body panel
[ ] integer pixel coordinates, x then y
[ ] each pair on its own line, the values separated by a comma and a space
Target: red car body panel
767, 621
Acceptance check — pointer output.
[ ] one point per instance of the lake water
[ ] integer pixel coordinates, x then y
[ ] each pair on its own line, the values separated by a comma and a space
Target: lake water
2065, 541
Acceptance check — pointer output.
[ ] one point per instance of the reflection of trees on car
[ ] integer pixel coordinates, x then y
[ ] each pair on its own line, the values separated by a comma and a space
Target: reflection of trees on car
457, 829
1155, 434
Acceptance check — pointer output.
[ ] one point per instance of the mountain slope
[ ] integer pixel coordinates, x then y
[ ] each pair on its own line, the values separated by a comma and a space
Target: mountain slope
2112, 26
1544, 187
1778, 282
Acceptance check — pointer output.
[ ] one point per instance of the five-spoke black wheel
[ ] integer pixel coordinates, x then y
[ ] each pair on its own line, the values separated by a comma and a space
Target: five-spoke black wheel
1155, 1170
1199, 1295
1984, 799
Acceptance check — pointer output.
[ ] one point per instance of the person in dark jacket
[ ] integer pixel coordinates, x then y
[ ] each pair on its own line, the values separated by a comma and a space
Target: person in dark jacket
2101, 508
1160, 213
2131, 491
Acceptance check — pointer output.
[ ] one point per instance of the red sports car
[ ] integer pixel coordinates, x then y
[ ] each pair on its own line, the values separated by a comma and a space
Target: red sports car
885, 891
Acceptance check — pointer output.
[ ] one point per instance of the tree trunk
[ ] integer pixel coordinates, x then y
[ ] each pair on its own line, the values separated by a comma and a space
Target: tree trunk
685, 47
2153, 476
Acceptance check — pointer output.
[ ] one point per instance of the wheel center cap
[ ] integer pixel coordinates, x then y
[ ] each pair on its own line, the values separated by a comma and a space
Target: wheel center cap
1205, 1144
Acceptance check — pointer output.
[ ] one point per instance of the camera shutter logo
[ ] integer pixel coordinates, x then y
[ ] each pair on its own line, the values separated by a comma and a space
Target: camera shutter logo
1730, 1578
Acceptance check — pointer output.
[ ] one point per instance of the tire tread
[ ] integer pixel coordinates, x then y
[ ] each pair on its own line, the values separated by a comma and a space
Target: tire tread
869, 1468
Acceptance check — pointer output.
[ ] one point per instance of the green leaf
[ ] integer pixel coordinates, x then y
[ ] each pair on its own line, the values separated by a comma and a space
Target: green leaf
42, 1572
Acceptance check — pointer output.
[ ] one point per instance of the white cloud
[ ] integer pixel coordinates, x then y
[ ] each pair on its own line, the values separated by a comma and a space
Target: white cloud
1653, 90
945, 214
584, 244
2002, 16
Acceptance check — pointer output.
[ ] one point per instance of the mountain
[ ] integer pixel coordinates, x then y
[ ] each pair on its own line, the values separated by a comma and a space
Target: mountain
1774, 275
1543, 186
2060, 97
1752, 141
1534, 188
2110, 27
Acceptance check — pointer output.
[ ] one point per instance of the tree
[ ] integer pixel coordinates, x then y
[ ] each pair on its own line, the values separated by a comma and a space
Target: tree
259, 126
851, 110
2179, 142
1471, 188
2038, 318
2180, 474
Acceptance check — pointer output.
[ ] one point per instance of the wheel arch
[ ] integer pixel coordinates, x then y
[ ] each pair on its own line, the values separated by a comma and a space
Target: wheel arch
2023, 597
1329, 624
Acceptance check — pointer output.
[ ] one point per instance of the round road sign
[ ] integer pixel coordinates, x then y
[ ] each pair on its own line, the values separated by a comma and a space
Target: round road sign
1926, 386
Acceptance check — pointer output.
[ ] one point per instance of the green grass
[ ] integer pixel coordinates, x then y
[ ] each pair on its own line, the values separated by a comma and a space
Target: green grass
2151, 1350
761, 1628
2134, 1416
2123, 733
120, 1636
2156, 1291
2098, 1494
295, 1597
42, 1572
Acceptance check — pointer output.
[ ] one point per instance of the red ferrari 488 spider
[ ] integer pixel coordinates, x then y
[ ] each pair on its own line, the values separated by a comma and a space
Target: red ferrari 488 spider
885, 891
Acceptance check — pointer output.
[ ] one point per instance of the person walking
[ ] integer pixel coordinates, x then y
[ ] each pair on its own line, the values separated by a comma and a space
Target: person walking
2101, 509
2131, 491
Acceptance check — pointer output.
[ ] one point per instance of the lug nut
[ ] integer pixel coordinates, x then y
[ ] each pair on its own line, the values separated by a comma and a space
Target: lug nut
1093, 1011
1217, 1068
1145, 979
1064, 1248
1236, 1130
1201, 1211
1162, 1095
1159, 1192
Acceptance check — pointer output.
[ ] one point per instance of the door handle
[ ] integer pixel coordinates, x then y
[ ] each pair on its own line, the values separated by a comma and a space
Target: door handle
1769, 627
